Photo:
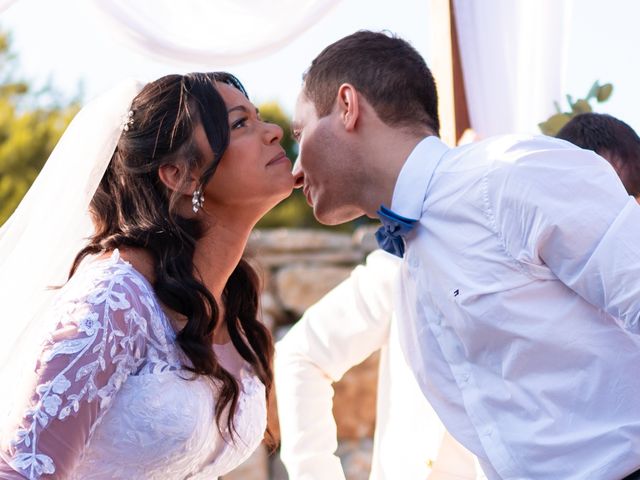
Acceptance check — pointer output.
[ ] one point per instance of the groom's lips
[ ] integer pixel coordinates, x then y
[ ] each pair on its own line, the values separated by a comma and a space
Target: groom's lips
307, 194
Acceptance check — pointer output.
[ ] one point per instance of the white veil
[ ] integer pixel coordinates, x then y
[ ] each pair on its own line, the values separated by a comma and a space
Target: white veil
40, 240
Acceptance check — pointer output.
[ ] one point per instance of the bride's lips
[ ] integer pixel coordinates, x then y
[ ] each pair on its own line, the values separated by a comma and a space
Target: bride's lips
278, 159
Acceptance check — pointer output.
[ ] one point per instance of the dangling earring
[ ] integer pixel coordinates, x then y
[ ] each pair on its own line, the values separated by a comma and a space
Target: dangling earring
197, 200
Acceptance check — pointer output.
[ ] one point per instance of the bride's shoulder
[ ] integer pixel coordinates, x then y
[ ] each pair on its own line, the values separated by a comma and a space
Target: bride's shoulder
107, 294
109, 281
111, 267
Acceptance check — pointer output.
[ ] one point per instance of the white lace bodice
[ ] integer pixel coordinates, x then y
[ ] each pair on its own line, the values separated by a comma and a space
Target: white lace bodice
111, 400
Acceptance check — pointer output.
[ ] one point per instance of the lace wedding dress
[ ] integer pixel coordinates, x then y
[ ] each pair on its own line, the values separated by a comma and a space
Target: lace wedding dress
111, 399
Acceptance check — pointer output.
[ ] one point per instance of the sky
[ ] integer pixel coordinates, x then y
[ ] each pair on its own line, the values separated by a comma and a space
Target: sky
65, 43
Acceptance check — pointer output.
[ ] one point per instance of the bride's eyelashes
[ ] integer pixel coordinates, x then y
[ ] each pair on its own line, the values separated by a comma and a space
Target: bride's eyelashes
241, 122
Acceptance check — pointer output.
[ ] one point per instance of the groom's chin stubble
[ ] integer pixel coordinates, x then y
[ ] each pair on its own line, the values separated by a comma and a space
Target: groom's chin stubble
336, 216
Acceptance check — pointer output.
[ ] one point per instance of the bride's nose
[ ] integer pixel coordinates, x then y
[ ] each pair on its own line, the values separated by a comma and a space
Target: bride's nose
273, 133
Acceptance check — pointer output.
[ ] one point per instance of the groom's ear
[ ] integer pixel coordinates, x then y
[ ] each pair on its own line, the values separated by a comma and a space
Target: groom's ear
348, 106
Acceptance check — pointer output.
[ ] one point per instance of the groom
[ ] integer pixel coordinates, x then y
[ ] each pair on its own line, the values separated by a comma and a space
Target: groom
518, 296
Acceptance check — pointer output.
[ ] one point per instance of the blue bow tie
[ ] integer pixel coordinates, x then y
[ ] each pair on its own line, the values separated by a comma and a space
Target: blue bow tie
390, 235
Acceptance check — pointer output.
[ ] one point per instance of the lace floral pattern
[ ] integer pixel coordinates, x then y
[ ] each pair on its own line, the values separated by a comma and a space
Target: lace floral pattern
110, 387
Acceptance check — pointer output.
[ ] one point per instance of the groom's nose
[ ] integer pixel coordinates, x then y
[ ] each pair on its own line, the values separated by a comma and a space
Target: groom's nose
297, 173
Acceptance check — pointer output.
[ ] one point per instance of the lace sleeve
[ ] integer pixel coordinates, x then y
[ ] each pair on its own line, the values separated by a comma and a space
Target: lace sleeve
99, 340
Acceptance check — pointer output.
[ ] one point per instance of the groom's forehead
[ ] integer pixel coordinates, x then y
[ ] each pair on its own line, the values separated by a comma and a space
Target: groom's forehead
304, 111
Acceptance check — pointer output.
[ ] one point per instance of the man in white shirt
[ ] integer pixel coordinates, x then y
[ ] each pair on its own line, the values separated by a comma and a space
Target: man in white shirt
518, 294
340, 331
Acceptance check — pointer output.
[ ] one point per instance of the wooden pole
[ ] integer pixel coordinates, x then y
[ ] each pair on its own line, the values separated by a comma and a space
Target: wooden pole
461, 113
447, 70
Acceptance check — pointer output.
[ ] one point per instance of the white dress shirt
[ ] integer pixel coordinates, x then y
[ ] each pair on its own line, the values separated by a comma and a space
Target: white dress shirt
518, 304
340, 331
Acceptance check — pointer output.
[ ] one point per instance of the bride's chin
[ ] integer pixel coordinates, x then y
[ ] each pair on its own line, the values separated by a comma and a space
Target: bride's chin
285, 189
277, 199
273, 201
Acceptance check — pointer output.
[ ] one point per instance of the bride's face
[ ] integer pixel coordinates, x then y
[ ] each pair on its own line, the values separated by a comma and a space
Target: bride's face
254, 170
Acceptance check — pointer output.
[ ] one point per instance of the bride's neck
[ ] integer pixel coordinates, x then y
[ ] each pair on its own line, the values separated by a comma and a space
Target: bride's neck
218, 253
216, 256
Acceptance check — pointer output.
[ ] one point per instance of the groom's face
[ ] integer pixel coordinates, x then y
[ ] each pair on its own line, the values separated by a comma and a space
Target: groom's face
325, 168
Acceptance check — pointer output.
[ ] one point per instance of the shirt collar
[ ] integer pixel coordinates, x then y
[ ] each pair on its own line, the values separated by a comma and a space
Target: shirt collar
414, 178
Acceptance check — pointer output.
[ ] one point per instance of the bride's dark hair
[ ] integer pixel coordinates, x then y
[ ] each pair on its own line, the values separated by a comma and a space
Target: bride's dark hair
132, 207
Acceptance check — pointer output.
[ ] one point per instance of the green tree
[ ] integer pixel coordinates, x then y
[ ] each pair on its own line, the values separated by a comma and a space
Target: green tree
599, 93
29, 129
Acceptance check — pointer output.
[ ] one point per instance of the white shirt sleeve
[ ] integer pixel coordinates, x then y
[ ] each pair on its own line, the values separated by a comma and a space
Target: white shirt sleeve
340, 331
566, 211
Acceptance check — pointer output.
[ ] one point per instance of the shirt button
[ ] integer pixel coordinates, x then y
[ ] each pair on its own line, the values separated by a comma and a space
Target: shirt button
413, 261
488, 432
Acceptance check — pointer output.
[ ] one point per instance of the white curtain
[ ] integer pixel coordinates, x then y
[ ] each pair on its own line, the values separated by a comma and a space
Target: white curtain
220, 32
4, 4
513, 55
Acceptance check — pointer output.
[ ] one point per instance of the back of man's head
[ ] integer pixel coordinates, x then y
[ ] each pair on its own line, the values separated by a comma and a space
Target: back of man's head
610, 138
385, 69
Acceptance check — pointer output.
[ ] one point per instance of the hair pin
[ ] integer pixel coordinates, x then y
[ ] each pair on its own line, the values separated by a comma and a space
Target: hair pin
127, 121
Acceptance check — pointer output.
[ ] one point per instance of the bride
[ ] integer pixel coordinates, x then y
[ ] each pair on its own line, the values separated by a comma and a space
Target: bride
149, 361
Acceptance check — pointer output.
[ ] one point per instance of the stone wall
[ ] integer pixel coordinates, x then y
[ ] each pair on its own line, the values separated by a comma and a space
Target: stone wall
298, 267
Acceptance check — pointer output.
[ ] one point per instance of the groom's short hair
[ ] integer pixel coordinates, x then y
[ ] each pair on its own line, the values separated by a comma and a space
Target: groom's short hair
386, 69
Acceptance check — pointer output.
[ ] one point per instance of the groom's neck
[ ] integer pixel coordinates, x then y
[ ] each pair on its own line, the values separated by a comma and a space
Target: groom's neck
385, 155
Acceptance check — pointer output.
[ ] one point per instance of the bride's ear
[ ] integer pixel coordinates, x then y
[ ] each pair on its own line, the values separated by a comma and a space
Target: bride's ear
172, 175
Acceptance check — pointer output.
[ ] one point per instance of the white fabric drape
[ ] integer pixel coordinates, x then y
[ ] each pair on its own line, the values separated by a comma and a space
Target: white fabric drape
513, 55
40, 240
4, 4
222, 32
